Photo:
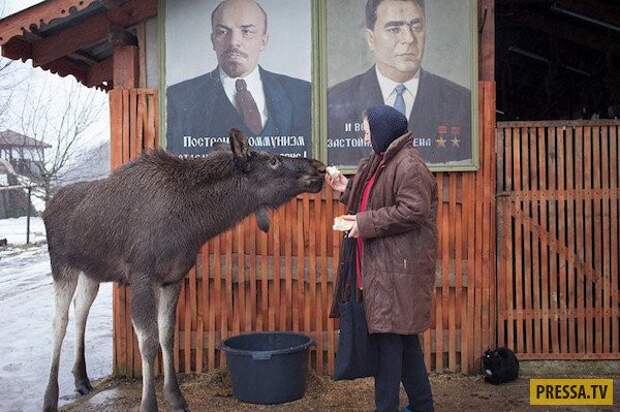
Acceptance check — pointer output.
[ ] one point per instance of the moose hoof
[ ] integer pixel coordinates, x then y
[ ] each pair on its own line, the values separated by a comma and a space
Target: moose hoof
84, 388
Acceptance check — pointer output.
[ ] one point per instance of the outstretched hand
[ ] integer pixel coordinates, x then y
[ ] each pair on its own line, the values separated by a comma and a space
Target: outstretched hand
339, 183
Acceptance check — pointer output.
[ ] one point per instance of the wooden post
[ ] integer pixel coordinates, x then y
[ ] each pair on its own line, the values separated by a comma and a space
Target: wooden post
126, 67
486, 30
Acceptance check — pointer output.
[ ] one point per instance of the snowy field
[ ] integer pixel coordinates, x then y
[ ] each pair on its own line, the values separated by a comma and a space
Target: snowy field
26, 314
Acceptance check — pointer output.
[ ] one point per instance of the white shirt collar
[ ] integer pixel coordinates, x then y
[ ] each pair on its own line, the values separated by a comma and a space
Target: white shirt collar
255, 87
388, 91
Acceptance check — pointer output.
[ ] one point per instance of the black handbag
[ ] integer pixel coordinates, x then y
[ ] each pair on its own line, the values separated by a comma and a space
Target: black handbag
357, 355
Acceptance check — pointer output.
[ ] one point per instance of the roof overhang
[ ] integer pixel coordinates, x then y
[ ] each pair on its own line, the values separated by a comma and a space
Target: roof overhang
74, 37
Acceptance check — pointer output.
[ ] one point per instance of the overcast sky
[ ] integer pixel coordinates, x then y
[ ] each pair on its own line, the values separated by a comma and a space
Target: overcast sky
38, 79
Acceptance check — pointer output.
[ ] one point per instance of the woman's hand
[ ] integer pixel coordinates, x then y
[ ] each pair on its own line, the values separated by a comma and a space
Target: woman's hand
354, 232
339, 183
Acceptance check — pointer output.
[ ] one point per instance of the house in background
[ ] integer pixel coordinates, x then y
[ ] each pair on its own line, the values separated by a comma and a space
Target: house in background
24, 153
20, 156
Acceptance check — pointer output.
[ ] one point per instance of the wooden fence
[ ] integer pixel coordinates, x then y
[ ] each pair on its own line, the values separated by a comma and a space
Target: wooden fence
558, 193
245, 280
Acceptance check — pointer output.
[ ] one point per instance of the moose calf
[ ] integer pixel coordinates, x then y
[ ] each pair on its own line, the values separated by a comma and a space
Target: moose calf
142, 227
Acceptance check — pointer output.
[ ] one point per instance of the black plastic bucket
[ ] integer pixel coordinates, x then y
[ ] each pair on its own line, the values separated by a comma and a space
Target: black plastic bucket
267, 367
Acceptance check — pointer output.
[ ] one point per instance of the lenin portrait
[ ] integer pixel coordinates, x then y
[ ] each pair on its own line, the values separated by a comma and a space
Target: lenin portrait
238, 63
413, 55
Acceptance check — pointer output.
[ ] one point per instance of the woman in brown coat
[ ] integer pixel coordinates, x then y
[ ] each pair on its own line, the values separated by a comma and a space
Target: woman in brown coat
392, 201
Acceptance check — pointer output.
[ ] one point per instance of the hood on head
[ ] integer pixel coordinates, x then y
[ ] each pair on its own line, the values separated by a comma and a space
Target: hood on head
386, 125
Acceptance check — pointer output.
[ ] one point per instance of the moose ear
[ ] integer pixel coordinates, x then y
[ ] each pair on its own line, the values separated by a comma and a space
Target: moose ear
239, 143
240, 149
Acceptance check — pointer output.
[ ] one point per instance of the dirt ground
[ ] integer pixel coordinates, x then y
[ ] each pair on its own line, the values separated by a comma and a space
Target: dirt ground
212, 392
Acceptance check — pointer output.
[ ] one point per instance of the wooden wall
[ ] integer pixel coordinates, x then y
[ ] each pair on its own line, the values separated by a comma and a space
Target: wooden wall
558, 193
246, 280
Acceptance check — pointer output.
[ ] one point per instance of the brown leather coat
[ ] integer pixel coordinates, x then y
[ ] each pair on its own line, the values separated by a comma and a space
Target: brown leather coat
399, 229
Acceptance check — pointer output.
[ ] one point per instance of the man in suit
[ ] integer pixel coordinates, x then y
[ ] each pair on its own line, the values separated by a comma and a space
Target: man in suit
272, 109
438, 109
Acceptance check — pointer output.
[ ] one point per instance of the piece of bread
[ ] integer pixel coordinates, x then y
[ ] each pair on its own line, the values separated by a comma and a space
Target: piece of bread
333, 171
342, 225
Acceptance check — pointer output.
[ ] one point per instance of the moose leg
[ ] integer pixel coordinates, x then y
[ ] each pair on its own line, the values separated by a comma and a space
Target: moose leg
85, 295
64, 287
166, 317
144, 317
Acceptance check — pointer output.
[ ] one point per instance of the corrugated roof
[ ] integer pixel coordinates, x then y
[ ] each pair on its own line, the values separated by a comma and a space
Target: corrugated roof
9, 138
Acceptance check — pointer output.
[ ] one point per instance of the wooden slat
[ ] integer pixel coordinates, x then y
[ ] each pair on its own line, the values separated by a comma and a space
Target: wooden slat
570, 231
331, 342
300, 302
534, 185
587, 177
228, 310
316, 284
468, 225
605, 246
595, 242
548, 278
527, 239
552, 210
510, 273
288, 265
518, 245
277, 275
597, 247
442, 301
453, 300
563, 332
239, 318
615, 229
579, 153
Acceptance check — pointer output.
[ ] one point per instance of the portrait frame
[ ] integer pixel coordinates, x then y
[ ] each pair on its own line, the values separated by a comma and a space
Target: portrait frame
319, 85
312, 69
473, 163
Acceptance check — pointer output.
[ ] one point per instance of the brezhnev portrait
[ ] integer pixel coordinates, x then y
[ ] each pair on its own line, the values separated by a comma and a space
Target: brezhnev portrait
413, 55
243, 64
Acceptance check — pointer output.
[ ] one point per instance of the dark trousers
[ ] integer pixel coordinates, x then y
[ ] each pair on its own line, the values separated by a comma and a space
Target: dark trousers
401, 360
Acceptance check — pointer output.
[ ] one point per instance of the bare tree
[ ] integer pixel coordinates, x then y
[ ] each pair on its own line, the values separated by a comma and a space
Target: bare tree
59, 121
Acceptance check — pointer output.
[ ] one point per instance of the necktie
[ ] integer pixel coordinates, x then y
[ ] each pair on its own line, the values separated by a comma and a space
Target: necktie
247, 107
399, 103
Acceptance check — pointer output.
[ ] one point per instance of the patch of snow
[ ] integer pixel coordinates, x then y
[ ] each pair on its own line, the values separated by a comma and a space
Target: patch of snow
26, 316
14, 230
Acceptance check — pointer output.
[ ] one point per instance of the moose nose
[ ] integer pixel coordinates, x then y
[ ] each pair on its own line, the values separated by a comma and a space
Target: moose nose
319, 166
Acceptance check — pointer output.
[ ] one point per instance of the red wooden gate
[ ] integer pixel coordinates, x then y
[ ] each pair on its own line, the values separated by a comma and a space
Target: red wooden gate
557, 202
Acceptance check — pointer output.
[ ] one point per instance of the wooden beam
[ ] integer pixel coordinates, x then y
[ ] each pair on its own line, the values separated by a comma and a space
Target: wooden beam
119, 37
65, 66
101, 72
126, 67
91, 31
605, 11
17, 49
70, 40
560, 28
16, 24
